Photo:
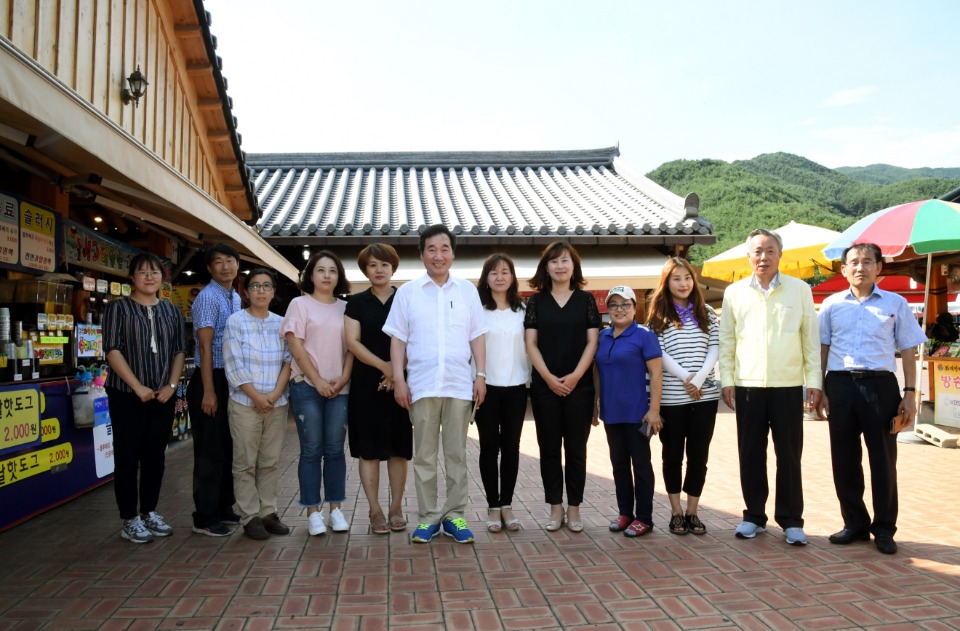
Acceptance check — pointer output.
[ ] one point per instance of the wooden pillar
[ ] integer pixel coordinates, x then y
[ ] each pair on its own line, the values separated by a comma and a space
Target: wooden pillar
938, 295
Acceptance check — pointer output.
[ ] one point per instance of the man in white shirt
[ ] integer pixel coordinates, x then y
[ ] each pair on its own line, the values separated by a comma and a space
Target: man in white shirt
436, 323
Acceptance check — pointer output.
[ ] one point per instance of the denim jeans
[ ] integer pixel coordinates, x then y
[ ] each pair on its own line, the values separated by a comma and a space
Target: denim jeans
322, 428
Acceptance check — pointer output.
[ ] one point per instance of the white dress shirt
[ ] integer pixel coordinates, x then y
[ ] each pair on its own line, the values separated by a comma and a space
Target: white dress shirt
437, 324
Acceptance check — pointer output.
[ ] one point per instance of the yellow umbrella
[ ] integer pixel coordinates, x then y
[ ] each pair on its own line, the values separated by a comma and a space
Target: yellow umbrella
802, 254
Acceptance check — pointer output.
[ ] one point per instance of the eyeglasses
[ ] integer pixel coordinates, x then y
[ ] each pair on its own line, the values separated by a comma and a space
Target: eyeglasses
261, 287
619, 306
154, 273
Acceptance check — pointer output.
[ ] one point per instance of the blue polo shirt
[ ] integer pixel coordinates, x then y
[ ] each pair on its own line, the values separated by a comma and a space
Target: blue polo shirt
622, 363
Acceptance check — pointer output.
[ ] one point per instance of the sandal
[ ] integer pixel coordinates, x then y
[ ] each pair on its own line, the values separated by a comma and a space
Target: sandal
678, 524
512, 524
493, 525
397, 522
378, 524
695, 526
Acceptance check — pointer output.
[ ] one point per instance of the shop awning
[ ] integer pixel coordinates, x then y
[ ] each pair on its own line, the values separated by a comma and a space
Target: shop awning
51, 130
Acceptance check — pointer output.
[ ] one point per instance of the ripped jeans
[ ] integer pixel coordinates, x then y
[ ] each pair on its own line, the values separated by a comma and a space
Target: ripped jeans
322, 428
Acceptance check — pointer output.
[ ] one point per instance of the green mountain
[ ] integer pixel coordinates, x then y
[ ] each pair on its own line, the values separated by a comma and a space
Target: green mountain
888, 174
770, 190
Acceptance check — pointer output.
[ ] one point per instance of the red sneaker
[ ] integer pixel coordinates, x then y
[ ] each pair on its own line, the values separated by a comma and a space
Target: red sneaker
622, 522
637, 529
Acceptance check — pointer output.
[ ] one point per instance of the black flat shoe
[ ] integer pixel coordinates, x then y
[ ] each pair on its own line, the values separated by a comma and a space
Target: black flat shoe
886, 544
678, 525
848, 535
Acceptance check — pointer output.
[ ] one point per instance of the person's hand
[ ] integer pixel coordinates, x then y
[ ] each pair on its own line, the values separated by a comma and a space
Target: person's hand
262, 403
386, 384
209, 403
144, 393
908, 406
479, 390
164, 393
694, 392
823, 409
401, 394
325, 388
557, 386
813, 397
729, 394
595, 420
654, 422
570, 381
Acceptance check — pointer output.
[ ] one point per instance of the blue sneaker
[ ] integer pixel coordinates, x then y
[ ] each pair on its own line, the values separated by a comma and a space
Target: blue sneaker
425, 533
795, 536
457, 528
749, 530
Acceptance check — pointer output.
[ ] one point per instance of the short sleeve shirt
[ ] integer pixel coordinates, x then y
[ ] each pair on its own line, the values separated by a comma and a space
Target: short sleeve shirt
437, 323
866, 335
320, 326
562, 331
211, 308
624, 383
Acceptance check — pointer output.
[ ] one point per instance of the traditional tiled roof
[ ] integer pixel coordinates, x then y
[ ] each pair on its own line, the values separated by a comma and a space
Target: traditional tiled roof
549, 193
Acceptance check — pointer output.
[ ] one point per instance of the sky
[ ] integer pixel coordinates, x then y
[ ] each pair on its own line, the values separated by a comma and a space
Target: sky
843, 83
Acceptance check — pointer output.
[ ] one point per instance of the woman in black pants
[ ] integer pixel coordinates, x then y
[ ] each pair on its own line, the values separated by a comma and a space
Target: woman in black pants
500, 418
562, 327
145, 342
689, 337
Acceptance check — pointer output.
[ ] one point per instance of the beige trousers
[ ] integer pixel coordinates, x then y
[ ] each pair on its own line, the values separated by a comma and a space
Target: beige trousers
436, 418
257, 440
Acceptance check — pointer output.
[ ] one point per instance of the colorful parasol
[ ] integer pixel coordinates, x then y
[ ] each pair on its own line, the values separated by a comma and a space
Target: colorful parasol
928, 226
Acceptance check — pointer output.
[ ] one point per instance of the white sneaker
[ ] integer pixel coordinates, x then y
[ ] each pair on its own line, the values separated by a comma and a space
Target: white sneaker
155, 524
315, 525
134, 530
338, 523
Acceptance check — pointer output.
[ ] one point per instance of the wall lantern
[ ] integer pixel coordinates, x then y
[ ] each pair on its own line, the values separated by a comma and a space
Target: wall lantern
138, 86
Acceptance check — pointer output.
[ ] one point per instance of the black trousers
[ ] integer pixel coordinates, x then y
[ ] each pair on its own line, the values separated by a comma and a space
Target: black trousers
632, 470
563, 424
687, 427
500, 423
140, 435
212, 452
864, 406
776, 411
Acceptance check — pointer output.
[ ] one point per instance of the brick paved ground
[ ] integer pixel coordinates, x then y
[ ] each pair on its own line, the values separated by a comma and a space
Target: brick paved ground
69, 569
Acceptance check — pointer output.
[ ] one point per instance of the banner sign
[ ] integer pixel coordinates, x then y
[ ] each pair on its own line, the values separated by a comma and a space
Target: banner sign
19, 417
31, 236
88, 248
9, 230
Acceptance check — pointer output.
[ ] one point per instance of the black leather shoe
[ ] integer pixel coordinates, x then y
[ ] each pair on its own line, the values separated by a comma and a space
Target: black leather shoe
848, 535
886, 544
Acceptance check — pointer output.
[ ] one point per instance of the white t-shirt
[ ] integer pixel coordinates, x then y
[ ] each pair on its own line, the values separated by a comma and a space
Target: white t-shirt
437, 325
507, 361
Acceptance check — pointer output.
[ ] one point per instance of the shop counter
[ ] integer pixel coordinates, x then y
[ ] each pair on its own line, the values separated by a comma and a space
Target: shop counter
44, 460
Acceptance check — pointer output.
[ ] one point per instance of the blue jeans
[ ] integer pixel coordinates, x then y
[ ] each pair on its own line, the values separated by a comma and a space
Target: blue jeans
322, 427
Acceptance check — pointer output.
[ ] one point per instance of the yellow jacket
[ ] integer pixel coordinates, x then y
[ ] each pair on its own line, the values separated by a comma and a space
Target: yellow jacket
772, 341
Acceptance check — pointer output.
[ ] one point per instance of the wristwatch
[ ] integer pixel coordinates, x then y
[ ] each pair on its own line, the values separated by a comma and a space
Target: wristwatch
173, 385
480, 373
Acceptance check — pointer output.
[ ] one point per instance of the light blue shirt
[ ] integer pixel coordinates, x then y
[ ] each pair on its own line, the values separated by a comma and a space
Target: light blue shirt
866, 335
254, 353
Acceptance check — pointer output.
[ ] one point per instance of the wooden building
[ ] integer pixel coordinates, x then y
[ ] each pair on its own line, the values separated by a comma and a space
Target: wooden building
74, 138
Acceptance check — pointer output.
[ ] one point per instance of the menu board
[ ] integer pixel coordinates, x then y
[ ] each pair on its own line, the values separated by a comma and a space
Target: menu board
30, 235
9, 230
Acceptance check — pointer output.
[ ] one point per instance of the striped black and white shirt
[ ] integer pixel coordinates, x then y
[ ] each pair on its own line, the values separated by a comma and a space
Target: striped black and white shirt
147, 337
689, 346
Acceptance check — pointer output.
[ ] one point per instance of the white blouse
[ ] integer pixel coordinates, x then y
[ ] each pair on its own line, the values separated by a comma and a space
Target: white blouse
507, 361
